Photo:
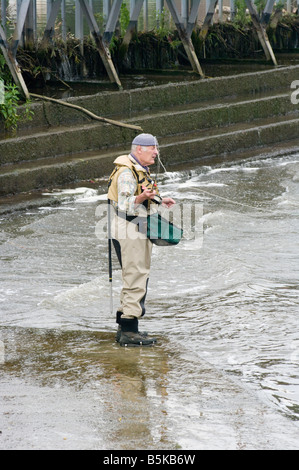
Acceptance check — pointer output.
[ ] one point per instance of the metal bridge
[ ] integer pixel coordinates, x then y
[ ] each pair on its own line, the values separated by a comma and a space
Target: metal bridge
185, 22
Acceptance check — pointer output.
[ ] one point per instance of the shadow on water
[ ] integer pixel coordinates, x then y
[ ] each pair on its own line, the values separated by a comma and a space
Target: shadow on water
116, 387
81, 390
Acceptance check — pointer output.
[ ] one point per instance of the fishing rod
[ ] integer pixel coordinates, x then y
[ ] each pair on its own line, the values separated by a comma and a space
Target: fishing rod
110, 256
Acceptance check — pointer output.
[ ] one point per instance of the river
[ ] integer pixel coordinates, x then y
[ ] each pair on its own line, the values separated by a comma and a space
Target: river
224, 308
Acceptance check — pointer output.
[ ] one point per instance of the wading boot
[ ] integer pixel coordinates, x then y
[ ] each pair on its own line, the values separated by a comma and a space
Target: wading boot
131, 337
118, 333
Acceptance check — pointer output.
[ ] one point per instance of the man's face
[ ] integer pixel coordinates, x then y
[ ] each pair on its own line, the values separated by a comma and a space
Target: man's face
147, 155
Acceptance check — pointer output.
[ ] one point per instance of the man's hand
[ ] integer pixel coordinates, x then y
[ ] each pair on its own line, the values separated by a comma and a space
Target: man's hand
146, 194
150, 194
167, 202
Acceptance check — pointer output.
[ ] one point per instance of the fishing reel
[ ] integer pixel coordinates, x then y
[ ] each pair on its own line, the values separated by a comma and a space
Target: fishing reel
157, 199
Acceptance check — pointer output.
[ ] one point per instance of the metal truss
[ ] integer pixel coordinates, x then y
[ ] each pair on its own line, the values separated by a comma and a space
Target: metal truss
24, 25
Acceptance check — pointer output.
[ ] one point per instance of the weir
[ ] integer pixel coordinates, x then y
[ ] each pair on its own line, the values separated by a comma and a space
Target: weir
204, 120
199, 118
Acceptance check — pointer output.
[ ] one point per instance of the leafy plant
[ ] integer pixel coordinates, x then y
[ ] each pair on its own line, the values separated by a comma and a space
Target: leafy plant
5, 75
164, 26
123, 23
124, 18
241, 18
260, 5
9, 109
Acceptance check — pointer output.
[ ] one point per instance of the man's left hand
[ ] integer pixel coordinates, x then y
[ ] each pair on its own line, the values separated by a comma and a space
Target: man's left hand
167, 202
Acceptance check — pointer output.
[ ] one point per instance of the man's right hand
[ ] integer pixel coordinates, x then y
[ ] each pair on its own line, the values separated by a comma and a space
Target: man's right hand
146, 194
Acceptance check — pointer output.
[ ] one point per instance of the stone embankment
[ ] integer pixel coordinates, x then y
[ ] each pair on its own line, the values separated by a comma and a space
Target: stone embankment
201, 119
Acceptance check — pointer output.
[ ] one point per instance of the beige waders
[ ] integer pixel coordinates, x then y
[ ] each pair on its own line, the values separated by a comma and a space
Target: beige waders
135, 247
135, 253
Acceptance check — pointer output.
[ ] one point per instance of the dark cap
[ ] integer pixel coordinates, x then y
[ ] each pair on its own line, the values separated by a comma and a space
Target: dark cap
145, 140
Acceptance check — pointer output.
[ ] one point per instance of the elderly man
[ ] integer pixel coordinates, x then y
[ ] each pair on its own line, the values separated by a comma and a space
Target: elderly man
131, 192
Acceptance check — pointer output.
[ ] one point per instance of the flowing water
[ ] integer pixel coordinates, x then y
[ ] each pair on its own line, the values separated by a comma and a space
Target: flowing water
224, 307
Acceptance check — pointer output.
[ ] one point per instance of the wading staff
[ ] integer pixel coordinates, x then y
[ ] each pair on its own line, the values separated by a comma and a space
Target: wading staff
110, 257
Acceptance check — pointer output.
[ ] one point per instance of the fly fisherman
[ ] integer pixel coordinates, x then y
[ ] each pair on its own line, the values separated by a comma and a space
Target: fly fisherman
132, 192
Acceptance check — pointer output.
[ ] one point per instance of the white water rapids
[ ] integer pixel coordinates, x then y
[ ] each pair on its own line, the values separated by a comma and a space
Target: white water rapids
225, 371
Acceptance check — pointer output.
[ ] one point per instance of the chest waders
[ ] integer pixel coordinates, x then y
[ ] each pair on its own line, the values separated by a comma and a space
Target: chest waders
134, 253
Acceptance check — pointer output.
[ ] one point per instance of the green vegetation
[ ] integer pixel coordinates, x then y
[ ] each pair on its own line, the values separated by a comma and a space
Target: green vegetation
157, 49
9, 109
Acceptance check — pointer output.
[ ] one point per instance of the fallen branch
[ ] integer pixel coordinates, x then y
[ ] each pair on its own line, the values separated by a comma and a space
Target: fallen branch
89, 113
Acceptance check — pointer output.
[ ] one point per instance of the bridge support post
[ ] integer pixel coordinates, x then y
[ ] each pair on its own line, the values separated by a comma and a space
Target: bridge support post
103, 50
261, 29
185, 37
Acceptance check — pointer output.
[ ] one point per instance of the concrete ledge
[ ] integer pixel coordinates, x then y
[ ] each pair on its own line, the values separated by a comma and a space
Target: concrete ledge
96, 136
215, 116
201, 149
125, 104
63, 141
196, 120
226, 143
24, 180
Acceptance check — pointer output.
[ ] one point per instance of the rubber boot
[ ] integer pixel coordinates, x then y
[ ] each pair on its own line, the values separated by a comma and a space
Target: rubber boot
130, 335
118, 333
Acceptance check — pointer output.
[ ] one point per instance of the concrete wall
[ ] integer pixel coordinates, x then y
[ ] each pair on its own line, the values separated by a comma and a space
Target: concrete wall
203, 120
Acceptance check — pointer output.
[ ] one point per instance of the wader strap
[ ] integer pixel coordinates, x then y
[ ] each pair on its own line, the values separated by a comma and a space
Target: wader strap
138, 220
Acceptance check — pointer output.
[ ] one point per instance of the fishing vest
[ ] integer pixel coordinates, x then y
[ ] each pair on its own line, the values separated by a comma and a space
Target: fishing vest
143, 178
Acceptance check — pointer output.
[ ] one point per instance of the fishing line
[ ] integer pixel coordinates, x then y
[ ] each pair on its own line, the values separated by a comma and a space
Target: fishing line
159, 161
230, 200
202, 190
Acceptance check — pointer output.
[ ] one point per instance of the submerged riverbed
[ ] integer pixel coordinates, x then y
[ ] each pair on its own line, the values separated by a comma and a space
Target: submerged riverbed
224, 374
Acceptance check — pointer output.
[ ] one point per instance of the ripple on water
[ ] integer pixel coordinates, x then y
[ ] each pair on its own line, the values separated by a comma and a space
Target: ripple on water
228, 306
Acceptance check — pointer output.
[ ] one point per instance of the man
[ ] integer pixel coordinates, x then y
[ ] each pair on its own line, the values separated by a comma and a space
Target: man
132, 192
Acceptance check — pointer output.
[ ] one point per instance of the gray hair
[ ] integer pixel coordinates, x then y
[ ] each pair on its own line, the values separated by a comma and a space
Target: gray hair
134, 147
